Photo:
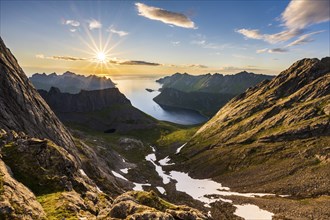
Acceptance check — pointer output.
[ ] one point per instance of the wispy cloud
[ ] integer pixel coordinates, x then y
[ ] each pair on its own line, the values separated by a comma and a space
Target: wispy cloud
72, 23
197, 66
297, 16
68, 58
134, 62
303, 13
167, 17
201, 41
270, 38
274, 50
94, 24
306, 38
278, 50
118, 32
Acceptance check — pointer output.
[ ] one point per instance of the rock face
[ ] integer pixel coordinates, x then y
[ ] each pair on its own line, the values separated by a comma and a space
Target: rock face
21, 106
274, 137
147, 205
70, 82
204, 93
105, 110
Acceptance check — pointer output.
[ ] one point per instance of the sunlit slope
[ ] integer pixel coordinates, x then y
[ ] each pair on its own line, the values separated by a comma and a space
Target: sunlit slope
273, 137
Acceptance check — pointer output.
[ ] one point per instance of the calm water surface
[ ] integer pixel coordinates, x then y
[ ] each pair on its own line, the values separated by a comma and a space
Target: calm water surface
135, 90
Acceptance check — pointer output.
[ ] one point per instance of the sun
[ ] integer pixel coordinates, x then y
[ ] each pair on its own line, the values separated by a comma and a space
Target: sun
101, 57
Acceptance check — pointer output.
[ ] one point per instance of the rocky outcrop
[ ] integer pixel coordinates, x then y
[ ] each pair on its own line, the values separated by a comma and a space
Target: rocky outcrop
21, 106
147, 205
272, 136
204, 93
70, 82
105, 110
16, 200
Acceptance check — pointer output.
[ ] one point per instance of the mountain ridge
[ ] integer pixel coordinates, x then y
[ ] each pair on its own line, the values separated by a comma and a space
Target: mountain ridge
274, 124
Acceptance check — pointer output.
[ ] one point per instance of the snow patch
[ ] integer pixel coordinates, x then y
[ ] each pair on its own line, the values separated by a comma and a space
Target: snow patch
139, 186
161, 189
125, 170
118, 175
164, 161
180, 148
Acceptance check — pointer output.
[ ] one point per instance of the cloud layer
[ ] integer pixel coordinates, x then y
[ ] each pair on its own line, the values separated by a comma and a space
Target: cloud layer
167, 17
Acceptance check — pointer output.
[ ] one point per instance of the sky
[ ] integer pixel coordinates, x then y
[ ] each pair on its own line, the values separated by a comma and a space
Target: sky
155, 38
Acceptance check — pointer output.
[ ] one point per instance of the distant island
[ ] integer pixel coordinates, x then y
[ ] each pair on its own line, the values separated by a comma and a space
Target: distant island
150, 90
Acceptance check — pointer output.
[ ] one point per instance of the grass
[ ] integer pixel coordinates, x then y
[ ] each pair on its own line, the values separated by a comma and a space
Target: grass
152, 200
55, 207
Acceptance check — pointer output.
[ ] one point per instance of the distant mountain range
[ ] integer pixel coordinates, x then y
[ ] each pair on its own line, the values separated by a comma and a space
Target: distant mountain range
272, 138
204, 93
70, 82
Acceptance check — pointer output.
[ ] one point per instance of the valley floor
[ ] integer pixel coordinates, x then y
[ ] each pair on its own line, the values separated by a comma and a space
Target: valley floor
166, 142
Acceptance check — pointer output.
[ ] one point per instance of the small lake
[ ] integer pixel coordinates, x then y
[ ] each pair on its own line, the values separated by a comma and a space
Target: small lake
134, 89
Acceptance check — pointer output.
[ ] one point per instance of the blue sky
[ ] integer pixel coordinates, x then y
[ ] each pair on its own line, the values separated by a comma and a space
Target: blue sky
163, 37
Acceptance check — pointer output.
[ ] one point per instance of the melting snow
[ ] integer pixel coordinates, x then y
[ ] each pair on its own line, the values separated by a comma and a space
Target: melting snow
125, 170
164, 162
180, 148
200, 188
119, 175
161, 189
139, 186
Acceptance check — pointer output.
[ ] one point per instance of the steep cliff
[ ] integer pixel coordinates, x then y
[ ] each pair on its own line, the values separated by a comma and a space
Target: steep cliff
102, 110
274, 137
21, 106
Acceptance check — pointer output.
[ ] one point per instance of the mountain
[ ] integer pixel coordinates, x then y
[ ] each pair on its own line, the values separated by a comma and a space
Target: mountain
204, 93
101, 110
70, 82
46, 173
274, 137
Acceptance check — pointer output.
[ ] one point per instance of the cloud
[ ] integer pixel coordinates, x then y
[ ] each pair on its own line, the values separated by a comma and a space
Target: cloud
297, 16
270, 38
167, 17
201, 41
303, 13
72, 23
262, 50
278, 50
275, 50
94, 24
239, 69
119, 33
306, 38
68, 58
133, 62
197, 66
